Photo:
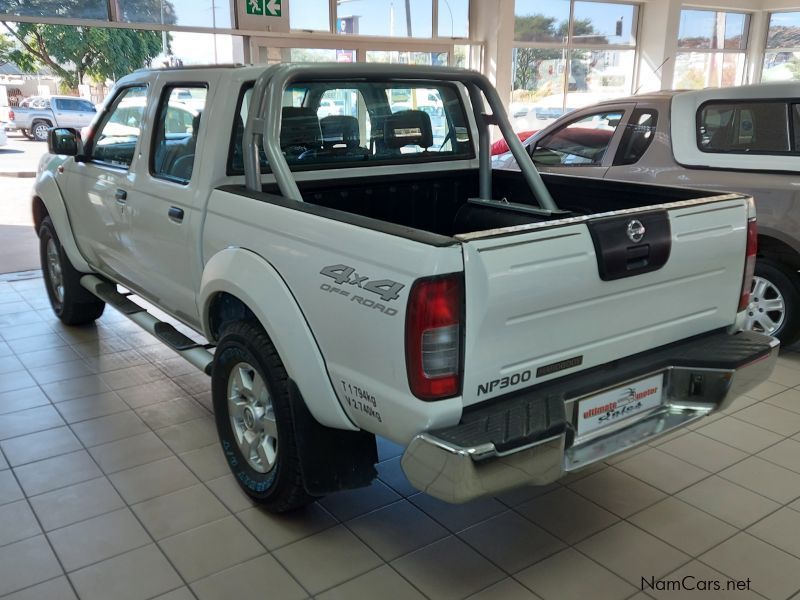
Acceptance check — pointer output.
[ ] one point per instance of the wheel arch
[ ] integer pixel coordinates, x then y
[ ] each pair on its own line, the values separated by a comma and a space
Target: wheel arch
47, 201
772, 248
238, 284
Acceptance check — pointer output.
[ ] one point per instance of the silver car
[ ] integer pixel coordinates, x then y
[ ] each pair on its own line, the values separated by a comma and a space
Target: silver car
744, 139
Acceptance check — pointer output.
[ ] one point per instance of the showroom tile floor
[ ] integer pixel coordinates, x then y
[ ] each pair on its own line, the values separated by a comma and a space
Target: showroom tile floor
112, 487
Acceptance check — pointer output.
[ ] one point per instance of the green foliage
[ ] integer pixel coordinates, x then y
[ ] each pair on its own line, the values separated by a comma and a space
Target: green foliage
531, 70
6, 47
72, 52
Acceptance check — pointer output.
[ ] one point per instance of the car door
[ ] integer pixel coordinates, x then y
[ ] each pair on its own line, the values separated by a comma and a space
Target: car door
166, 213
582, 145
68, 112
100, 184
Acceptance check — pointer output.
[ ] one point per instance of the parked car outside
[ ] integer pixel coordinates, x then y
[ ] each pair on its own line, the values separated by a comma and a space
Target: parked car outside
3, 136
35, 120
744, 139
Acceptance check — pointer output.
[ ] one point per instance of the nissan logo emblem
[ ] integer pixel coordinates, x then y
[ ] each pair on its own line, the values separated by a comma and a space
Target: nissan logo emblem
636, 231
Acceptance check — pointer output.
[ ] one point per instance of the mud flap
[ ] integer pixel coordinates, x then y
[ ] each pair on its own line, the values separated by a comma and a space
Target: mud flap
331, 459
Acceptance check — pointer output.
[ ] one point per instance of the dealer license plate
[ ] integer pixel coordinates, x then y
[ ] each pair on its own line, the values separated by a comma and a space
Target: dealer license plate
620, 403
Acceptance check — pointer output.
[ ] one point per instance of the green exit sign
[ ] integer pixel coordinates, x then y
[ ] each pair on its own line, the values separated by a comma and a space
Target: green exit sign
269, 8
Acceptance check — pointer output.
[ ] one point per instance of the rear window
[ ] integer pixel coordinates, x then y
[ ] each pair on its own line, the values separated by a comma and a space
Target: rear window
325, 124
755, 127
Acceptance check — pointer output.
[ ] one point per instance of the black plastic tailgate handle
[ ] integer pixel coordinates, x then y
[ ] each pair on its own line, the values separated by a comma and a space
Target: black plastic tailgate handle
632, 244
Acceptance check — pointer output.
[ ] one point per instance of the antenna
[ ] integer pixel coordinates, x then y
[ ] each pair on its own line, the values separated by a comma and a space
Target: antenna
658, 68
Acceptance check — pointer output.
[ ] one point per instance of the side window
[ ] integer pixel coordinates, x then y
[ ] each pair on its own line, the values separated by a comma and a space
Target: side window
118, 132
580, 143
236, 153
743, 127
637, 137
178, 123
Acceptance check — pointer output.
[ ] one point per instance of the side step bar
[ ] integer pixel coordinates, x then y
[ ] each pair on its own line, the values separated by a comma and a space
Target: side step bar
195, 353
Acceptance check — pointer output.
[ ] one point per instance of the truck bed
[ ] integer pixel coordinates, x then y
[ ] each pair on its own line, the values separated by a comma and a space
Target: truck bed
439, 203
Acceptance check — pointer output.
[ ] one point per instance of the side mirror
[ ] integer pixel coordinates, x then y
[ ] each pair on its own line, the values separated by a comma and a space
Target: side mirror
64, 141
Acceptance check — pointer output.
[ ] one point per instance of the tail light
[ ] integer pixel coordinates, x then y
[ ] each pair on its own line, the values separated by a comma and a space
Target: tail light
434, 322
749, 264
10, 115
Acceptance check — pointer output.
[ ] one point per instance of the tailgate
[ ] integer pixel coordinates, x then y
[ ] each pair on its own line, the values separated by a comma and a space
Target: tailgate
556, 299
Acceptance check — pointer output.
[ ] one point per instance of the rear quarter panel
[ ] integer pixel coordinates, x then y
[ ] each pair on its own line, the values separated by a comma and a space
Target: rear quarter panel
360, 336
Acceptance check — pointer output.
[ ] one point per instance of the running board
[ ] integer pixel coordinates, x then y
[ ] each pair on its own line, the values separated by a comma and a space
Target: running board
197, 354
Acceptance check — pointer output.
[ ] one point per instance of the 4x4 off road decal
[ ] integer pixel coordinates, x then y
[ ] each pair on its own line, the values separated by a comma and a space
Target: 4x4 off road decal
386, 289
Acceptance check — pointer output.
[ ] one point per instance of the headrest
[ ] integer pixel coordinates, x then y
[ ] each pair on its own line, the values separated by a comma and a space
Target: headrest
408, 127
300, 127
340, 129
196, 123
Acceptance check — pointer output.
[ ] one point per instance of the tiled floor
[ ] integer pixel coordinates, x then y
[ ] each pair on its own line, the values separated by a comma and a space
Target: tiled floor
112, 487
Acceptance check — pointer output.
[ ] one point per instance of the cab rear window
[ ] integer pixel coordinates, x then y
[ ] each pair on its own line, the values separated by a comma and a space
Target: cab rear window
326, 124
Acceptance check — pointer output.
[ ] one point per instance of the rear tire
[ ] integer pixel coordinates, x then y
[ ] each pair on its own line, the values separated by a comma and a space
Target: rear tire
250, 391
26, 133
774, 306
39, 129
71, 303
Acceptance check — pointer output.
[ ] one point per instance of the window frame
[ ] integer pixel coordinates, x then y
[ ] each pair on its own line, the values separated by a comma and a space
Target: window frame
163, 104
743, 52
104, 119
571, 45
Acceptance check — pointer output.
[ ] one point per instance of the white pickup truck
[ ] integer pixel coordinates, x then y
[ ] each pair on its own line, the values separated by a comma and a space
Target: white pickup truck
367, 274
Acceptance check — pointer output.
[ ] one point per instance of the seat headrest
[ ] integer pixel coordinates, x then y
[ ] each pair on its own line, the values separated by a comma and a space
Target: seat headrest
408, 127
340, 129
300, 127
196, 123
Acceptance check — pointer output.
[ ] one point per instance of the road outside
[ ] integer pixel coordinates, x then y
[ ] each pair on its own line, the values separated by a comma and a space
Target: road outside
19, 246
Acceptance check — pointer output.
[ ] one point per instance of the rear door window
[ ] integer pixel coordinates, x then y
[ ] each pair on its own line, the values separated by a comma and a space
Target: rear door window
177, 129
640, 130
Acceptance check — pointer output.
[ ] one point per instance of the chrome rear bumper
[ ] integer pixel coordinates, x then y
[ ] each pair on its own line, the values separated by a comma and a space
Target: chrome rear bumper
459, 473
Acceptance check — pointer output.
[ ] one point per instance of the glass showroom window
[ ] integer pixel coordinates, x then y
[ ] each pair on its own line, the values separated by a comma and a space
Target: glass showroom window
782, 54
711, 49
386, 18
568, 54
188, 13
78, 9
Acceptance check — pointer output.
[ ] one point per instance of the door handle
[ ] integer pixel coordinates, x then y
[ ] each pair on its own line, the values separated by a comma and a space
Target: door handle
175, 214
121, 196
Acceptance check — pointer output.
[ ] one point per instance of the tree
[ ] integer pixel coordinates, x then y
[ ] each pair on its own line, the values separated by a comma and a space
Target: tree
73, 52
6, 48
532, 70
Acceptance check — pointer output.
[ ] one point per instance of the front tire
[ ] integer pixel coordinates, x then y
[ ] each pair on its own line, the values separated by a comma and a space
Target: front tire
70, 301
774, 306
250, 390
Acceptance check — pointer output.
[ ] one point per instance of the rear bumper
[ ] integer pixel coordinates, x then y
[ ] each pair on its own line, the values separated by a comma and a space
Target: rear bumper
529, 438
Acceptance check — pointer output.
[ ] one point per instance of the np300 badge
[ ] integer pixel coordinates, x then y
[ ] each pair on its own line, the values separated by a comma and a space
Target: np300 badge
636, 231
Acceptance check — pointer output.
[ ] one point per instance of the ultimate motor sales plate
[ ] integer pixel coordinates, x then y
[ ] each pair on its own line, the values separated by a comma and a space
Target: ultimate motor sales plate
620, 403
